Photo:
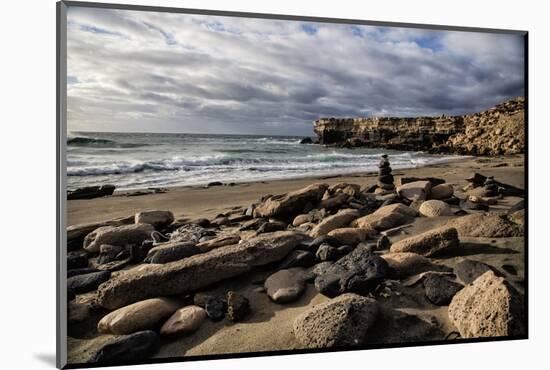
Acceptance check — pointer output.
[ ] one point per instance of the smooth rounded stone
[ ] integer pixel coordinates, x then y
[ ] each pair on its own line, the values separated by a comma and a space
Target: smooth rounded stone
441, 191
238, 306
360, 272
290, 204
405, 264
386, 188
81, 271
301, 219
430, 243
172, 252
215, 308
384, 170
468, 270
350, 235
76, 260
138, 316
186, 320
383, 243
341, 186
387, 217
117, 235
327, 253
417, 190
341, 322
341, 219
270, 227
127, 348
386, 179
489, 307
435, 208
439, 289
286, 285
487, 226
85, 283
298, 258
158, 219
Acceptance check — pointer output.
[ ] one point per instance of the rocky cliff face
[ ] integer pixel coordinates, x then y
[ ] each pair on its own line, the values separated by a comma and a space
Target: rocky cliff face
499, 130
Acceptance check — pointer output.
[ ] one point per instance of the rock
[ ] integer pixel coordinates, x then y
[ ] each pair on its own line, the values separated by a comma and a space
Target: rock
439, 289
518, 217
383, 243
325, 239
430, 243
386, 217
126, 349
486, 225
418, 190
441, 191
320, 268
196, 272
237, 306
476, 179
138, 316
81, 271
306, 140
90, 192
253, 224
202, 222
215, 308
214, 183
172, 251
220, 241
158, 219
433, 180
76, 260
117, 235
341, 219
405, 264
334, 203
272, 226
290, 204
343, 250
76, 233
298, 258
186, 320
358, 272
85, 283
286, 285
435, 208
221, 221
327, 253
109, 253
350, 235
300, 220
468, 270
517, 207
340, 322
489, 307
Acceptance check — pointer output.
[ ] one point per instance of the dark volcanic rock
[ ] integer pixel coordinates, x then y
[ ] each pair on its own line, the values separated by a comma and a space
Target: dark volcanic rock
306, 140
439, 289
468, 270
81, 271
237, 306
214, 183
359, 272
325, 239
127, 348
76, 260
269, 227
215, 308
327, 253
91, 192
88, 282
298, 258
383, 243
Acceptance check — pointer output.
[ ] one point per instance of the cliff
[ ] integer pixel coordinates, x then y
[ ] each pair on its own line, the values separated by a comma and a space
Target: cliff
499, 130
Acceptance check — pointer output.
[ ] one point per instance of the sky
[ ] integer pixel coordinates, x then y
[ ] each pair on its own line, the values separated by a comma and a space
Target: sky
134, 71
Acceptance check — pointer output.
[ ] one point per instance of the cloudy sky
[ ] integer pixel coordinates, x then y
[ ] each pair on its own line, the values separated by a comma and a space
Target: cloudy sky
160, 72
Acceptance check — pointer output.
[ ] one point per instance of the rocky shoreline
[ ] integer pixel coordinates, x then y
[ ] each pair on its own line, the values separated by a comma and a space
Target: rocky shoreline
329, 265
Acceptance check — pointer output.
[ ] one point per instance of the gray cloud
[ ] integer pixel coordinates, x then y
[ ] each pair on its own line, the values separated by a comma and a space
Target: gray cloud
145, 71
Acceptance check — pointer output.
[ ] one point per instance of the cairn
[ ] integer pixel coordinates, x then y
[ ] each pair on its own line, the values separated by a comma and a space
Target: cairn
385, 178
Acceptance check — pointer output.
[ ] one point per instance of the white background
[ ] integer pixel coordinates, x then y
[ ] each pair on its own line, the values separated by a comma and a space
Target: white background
27, 193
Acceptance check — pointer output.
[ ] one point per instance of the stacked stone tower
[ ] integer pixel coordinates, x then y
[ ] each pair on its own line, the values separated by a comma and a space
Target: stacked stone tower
385, 178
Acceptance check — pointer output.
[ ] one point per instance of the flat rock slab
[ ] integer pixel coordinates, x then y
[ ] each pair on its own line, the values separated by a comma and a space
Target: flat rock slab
137, 316
487, 226
186, 320
198, 271
286, 285
489, 307
341, 322
430, 243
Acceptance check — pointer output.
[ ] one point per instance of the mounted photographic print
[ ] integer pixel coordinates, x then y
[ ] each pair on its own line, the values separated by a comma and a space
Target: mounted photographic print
237, 184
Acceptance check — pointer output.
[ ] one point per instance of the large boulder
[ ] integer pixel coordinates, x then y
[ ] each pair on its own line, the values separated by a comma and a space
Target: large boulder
489, 307
286, 285
406, 264
358, 272
417, 190
138, 316
487, 225
441, 191
290, 204
127, 348
387, 217
341, 322
186, 320
158, 219
350, 235
339, 220
198, 271
430, 243
77, 233
117, 235
435, 208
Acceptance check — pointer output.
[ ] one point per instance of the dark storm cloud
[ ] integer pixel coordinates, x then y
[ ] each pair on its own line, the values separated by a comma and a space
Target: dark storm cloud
141, 71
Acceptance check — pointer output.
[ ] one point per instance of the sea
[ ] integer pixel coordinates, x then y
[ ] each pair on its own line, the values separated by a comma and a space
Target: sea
144, 160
